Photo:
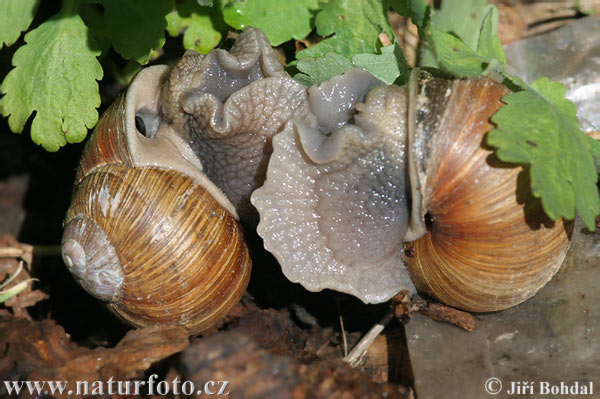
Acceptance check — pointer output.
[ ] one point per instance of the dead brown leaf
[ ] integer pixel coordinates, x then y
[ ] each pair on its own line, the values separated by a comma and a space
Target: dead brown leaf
42, 351
12, 255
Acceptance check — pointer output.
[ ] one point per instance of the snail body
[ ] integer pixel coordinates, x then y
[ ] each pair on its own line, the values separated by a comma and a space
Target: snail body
352, 169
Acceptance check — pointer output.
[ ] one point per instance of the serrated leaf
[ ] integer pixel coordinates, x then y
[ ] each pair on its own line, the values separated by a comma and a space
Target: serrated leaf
354, 26
539, 127
318, 70
279, 20
387, 66
455, 56
15, 17
137, 27
93, 17
203, 27
514, 82
55, 74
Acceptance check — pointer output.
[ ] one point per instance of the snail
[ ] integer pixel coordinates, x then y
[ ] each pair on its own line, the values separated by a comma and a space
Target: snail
352, 170
153, 228
404, 195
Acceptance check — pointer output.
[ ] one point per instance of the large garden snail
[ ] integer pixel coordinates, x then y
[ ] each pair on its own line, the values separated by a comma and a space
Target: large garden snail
148, 232
153, 230
342, 198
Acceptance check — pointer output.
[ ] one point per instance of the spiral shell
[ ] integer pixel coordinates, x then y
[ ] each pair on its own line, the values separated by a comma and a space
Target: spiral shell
188, 268
485, 248
355, 170
147, 232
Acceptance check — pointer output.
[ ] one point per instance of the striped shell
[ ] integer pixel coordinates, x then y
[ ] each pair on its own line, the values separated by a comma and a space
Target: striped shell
146, 231
485, 248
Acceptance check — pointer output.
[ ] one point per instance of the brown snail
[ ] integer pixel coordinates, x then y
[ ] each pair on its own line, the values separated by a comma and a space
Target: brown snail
409, 182
153, 230
153, 226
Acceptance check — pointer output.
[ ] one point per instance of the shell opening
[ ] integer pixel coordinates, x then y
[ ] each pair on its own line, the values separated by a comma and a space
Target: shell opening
155, 144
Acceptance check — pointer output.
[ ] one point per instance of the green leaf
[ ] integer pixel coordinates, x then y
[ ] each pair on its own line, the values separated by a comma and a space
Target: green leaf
463, 19
354, 27
417, 10
514, 82
203, 27
137, 27
94, 20
455, 56
15, 17
206, 3
387, 66
489, 45
54, 74
539, 127
318, 70
279, 20
594, 148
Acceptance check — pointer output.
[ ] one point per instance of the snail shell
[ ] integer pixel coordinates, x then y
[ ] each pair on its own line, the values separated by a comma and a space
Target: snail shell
485, 248
153, 226
341, 198
151, 241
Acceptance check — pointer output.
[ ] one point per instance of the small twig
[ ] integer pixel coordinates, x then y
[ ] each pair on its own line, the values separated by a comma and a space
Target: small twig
446, 314
354, 357
11, 252
404, 306
344, 341
38, 250
47, 250
545, 28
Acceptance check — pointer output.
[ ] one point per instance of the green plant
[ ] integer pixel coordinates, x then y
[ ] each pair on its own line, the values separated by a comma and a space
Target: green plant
56, 71
15, 290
